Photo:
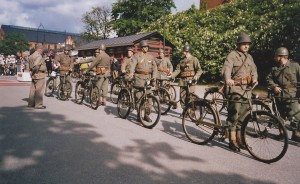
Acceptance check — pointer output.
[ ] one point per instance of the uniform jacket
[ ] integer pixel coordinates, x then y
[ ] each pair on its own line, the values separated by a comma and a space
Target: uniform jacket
126, 64
102, 60
190, 64
65, 61
165, 65
37, 66
232, 64
284, 77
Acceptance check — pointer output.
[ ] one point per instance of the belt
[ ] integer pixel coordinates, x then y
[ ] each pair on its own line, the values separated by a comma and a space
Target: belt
187, 74
143, 72
162, 69
243, 80
64, 68
102, 70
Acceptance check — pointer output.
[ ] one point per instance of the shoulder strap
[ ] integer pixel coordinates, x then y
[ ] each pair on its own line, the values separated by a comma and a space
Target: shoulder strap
233, 75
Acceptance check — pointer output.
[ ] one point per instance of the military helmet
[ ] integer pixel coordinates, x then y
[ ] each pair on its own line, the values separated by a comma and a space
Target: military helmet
97, 51
129, 49
243, 38
144, 43
102, 47
161, 51
282, 51
186, 48
68, 47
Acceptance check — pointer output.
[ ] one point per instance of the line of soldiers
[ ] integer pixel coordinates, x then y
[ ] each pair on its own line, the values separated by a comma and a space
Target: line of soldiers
238, 67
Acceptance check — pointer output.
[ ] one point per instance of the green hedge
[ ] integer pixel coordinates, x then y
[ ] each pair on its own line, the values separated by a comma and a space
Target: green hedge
212, 34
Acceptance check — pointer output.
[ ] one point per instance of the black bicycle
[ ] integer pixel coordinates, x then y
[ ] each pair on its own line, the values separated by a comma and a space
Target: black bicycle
86, 89
51, 84
64, 87
147, 105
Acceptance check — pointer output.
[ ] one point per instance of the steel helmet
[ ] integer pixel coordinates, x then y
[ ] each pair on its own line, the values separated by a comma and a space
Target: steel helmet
97, 51
186, 48
68, 47
144, 43
282, 51
243, 38
161, 51
102, 47
129, 49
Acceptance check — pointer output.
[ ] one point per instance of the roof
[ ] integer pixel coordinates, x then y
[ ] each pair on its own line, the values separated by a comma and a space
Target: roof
39, 34
121, 41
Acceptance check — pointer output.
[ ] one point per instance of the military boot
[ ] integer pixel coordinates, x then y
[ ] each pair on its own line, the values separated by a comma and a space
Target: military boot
239, 140
232, 142
103, 101
296, 136
147, 118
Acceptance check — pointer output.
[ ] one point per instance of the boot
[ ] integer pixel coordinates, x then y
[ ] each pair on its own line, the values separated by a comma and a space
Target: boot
232, 142
103, 103
174, 104
296, 136
147, 118
239, 140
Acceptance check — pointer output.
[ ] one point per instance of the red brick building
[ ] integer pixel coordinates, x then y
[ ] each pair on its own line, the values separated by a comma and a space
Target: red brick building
213, 3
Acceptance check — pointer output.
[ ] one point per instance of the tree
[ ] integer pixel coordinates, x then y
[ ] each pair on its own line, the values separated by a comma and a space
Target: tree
97, 23
13, 43
131, 16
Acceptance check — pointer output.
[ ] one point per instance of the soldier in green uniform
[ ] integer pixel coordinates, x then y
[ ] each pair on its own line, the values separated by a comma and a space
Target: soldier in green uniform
164, 66
143, 68
188, 69
65, 63
239, 71
127, 62
102, 64
283, 80
38, 70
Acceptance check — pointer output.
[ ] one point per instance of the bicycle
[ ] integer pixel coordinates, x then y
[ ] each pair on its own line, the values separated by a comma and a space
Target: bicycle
86, 89
163, 96
51, 85
268, 143
64, 87
146, 105
167, 85
115, 88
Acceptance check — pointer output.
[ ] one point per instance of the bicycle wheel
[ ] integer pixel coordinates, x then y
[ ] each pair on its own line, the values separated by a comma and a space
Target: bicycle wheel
94, 97
260, 105
124, 103
199, 129
114, 92
49, 90
164, 100
172, 91
270, 142
79, 92
149, 111
64, 90
218, 100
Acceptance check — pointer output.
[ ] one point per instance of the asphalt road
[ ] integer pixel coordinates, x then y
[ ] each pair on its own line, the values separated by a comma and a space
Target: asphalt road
67, 143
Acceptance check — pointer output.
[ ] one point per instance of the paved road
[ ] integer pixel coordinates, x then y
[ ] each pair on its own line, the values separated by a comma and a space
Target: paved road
73, 144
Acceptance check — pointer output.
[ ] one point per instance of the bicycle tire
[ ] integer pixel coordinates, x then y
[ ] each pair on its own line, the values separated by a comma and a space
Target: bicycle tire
50, 85
94, 97
79, 92
124, 103
271, 140
164, 100
155, 111
260, 105
114, 91
197, 132
218, 105
64, 90
172, 91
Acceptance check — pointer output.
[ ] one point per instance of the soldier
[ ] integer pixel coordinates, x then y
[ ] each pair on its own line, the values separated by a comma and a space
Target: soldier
127, 62
239, 71
144, 68
283, 81
38, 73
189, 68
114, 66
65, 63
164, 66
102, 63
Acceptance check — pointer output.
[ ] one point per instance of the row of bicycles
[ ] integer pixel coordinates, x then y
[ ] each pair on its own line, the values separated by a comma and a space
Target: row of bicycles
263, 130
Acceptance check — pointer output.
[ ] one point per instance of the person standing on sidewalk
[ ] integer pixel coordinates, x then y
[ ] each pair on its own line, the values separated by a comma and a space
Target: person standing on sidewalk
38, 70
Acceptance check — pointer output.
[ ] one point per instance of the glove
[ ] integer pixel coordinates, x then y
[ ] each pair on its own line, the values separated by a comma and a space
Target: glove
195, 77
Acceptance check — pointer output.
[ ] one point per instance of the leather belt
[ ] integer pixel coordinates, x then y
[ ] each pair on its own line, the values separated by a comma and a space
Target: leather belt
162, 69
243, 80
143, 72
187, 74
102, 70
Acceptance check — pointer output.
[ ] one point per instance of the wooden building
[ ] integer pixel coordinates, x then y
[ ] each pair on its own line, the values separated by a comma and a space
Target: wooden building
119, 45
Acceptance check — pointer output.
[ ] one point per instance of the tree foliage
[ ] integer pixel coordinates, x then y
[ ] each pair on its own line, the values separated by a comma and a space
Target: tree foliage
97, 23
130, 16
13, 43
212, 34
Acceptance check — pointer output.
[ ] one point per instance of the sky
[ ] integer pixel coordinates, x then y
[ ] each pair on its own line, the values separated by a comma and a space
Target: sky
59, 15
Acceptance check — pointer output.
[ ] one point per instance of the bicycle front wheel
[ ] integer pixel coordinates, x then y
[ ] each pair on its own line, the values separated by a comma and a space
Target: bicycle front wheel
172, 91
218, 99
94, 97
149, 111
50, 85
62, 92
198, 122
124, 103
79, 92
114, 92
164, 100
270, 141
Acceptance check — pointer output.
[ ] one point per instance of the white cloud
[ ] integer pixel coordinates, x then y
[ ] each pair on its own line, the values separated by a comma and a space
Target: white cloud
60, 15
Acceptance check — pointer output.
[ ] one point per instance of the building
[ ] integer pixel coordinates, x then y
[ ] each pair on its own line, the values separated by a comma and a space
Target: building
209, 4
50, 39
119, 45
